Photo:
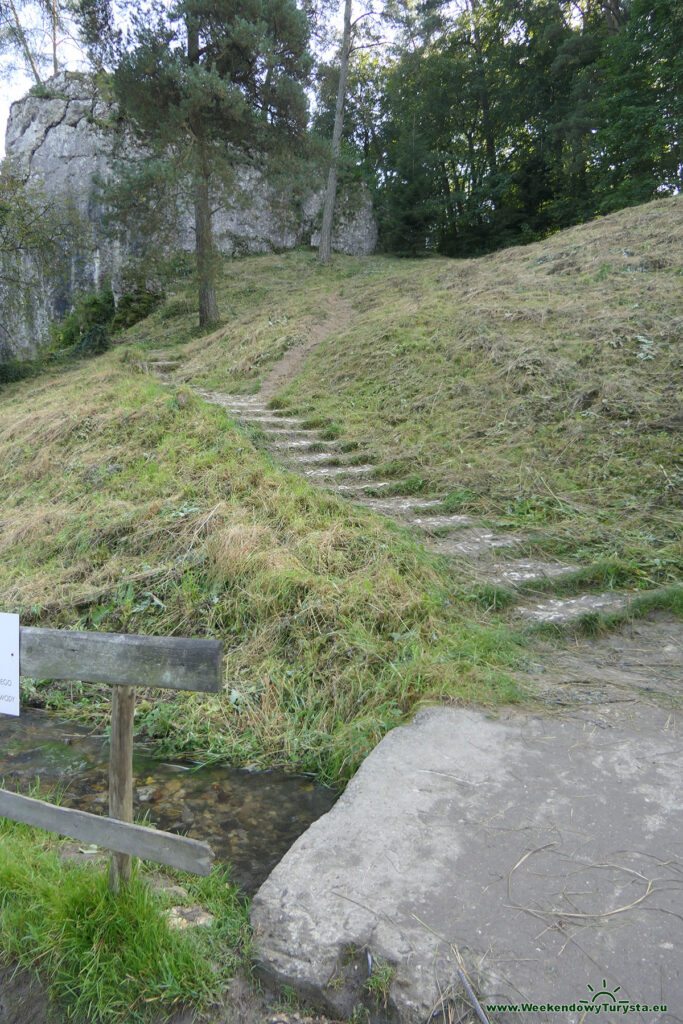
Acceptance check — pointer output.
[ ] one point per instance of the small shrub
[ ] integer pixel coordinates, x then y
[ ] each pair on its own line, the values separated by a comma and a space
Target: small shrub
89, 311
94, 342
134, 307
14, 369
179, 307
86, 329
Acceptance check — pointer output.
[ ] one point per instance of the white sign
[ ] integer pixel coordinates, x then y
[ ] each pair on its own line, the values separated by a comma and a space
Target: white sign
9, 664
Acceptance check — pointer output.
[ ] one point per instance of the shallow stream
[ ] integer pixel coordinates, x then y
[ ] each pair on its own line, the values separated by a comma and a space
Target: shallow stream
250, 819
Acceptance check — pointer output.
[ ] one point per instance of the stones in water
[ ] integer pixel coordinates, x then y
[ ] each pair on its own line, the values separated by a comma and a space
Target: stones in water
249, 818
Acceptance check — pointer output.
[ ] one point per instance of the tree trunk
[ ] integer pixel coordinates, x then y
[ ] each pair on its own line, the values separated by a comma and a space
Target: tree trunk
325, 248
55, 19
24, 44
204, 250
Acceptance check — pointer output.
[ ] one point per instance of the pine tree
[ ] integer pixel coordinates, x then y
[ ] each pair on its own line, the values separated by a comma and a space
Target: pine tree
208, 84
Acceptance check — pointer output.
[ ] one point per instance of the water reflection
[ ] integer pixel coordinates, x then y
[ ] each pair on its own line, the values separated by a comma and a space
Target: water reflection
249, 819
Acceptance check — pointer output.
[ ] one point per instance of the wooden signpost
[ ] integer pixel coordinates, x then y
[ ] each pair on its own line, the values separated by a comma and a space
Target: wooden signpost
123, 661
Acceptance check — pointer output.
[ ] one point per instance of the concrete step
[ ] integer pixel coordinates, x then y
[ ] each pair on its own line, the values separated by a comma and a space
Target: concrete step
475, 542
339, 470
559, 610
524, 570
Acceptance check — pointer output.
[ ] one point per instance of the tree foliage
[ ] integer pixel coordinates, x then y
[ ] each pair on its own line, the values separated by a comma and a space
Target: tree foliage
209, 84
31, 35
490, 122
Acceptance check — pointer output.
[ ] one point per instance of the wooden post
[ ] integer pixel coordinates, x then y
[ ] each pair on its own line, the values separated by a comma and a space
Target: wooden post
123, 661
121, 775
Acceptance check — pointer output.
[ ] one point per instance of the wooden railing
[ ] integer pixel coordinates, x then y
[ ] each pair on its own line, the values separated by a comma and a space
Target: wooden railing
124, 662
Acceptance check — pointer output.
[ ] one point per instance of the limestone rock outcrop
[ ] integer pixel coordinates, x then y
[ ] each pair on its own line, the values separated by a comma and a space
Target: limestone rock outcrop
68, 137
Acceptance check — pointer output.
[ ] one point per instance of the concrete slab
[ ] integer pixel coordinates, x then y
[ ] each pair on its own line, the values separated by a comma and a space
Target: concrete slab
540, 854
474, 542
563, 609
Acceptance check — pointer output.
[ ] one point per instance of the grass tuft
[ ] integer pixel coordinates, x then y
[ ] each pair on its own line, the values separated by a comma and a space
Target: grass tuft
112, 958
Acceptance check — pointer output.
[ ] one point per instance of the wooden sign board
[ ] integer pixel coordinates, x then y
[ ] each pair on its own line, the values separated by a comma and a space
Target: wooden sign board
168, 662
9, 664
123, 661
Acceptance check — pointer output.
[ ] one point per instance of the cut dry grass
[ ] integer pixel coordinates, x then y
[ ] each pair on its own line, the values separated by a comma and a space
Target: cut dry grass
539, 386
156, 517
535, 387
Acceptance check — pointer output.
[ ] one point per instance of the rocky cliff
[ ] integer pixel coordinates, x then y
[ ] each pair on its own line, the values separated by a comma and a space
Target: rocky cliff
68, 138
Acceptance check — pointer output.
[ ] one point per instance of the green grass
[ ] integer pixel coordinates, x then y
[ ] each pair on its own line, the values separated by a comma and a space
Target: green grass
524, 396
126, 511
113, 958
539, 397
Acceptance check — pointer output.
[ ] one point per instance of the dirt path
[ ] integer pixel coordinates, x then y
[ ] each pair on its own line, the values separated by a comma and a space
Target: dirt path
338, 319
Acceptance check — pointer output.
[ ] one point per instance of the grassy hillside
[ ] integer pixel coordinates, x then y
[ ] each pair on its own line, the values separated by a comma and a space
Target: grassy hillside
534, 388
539, 386
131, 509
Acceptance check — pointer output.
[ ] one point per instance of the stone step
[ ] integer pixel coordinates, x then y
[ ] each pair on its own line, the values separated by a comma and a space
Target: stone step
525, 570
398, 506
346, 489
164, 364
269, 418
339, 470
439, 522
284, 432
247, 402
308, 443
244, 410
296, 459
474, 542
556, 609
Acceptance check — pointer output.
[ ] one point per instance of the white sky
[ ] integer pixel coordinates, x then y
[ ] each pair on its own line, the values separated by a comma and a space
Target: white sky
10, 91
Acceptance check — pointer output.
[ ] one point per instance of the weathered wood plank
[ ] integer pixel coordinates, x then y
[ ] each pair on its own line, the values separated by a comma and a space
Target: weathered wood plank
171, 662
135, 840
121, 775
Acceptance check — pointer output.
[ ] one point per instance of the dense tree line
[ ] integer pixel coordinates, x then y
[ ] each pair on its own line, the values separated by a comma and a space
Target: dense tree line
490, 122
477, 123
